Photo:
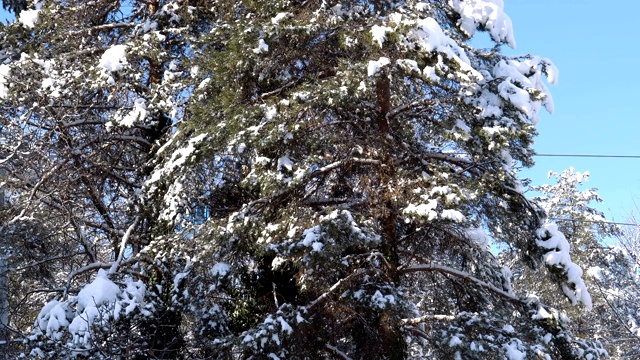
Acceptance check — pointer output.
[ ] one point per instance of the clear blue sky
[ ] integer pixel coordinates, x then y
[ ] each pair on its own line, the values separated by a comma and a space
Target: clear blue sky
595, 45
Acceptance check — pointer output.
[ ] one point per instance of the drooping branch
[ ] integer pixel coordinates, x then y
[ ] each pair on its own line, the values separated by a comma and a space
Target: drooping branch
461, 275
103, 27
336, 352
320, 299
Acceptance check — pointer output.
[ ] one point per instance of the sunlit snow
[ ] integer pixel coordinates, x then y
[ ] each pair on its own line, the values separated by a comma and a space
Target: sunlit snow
29, 17
114, 58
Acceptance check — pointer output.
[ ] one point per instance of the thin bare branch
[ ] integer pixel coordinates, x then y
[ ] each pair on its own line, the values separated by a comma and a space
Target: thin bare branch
335, 351
459, 274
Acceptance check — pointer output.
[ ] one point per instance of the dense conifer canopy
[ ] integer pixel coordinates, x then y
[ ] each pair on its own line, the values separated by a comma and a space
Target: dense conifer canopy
275, 179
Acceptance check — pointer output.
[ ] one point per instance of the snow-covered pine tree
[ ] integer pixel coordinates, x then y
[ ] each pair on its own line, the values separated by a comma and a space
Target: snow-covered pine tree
354, 160
335, 176
89, 89
615, 280
609, 273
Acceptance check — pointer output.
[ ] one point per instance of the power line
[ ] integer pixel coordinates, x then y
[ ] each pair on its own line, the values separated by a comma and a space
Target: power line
594, 221
591, 156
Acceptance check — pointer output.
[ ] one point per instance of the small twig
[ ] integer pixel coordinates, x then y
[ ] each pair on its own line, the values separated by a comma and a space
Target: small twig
275, 295
123, 245
425, 318
335, 351
280, 89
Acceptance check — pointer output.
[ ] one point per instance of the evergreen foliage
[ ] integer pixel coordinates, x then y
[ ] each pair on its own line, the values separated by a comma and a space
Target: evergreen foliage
275, 179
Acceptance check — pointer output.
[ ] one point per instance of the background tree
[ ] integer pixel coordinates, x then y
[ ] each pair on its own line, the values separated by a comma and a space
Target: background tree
616, 281
591, 236
85, 108
277, 179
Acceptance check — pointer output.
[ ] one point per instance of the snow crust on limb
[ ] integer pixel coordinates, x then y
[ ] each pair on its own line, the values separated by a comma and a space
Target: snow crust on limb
558, 257
138, 112
4, 74
98, 302
522, 81
379, 33
487, 13
29, 18
114, 58
375, 66
263, 47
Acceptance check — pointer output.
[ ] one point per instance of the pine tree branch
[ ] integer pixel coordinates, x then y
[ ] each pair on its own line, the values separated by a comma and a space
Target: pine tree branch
425, 318
103, 27
334, 287
459, 274
335, 351
123, 245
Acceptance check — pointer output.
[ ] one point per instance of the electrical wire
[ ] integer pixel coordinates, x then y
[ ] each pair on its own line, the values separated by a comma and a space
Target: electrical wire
591, 156
594, 221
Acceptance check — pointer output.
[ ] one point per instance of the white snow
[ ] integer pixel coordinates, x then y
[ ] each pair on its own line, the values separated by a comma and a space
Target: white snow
220, 269
375, 66
262, 160
52, 318
96, 302
285, 326
551, 71
558, 255
487, 13
408, 65
179, 157
426, 210
203, 83
28, 18
508, 328
429, 36
281, 16
455, 341
379, 33
430, 73
521, 79
285, 163
270, 112
512, 352
4, 74
506, 278
478, 236
421, 6
149, 25
595, 272
277, 261
517, 96
455, 215
381, 301
263, 47
310, 236
139, 112
114, 58
317, 246
541, 314
100, 291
